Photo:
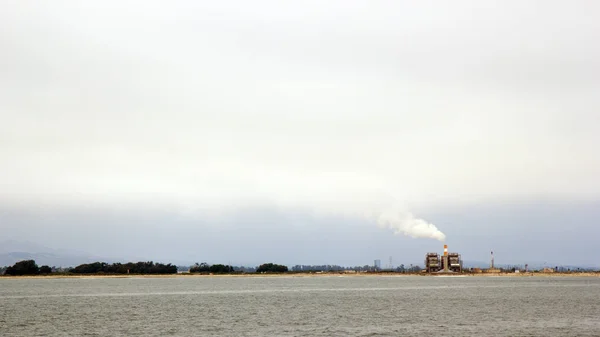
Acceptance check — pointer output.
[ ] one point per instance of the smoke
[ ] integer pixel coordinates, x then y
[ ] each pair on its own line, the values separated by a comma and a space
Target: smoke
407, 224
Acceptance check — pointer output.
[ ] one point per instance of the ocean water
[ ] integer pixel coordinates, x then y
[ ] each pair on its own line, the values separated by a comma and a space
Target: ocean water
301, 306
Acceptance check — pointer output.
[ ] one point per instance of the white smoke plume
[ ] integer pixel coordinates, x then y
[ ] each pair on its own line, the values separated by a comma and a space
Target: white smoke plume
407, 224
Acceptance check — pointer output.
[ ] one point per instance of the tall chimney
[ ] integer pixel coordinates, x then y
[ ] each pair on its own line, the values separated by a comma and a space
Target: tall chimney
446, 258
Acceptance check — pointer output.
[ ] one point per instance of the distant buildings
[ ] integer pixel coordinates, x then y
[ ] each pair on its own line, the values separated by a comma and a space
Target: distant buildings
377, 264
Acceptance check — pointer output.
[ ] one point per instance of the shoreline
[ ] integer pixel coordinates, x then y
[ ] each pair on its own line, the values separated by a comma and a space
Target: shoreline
188, 275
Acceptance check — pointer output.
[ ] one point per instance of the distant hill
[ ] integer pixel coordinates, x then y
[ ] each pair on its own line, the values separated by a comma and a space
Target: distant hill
12, 251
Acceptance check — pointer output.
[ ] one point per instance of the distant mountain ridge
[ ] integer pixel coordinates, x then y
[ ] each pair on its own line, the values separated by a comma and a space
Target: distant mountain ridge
12, 251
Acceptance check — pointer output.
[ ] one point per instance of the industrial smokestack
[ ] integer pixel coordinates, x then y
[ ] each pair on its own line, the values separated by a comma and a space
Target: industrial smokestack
446, 269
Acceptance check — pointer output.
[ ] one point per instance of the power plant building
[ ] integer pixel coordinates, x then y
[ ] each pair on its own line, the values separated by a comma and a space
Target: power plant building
449, 262
432, 262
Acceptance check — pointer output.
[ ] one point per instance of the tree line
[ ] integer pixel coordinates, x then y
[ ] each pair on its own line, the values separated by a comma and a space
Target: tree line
226, 269
365, 268
27, 267
214, 269
125, 268
271, 268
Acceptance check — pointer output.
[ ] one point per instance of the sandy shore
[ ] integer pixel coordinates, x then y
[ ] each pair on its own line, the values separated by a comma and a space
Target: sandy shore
184, 275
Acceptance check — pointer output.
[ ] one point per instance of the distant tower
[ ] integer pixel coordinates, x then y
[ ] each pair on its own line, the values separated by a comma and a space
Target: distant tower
492, 264
446, 269
391, 265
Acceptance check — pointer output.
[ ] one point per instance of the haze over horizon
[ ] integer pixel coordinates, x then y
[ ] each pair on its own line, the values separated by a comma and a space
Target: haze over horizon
302, 133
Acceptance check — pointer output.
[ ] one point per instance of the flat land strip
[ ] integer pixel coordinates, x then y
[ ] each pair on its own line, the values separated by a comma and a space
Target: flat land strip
539, 274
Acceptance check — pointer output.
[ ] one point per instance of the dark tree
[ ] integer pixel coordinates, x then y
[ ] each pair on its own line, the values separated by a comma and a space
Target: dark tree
45, 270
220, 269
90, 268
200, 268
28, 267
271, 268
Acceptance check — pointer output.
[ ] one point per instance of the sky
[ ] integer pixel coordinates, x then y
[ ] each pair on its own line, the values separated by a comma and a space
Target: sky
302, 132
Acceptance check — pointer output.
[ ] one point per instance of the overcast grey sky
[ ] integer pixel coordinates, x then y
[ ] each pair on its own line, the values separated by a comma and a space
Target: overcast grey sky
243, 131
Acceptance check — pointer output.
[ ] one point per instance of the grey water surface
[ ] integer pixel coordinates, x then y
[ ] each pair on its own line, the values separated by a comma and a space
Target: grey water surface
301, 306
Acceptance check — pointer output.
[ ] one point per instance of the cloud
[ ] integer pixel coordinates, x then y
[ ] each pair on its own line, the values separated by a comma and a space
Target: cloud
345, 107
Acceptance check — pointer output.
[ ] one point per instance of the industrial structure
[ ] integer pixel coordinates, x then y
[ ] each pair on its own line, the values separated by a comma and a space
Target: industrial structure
492, 268
432, 262
377, 264
454, 263
450, 262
